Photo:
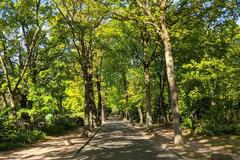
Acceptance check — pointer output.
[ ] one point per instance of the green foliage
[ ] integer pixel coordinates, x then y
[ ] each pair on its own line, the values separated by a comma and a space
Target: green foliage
11, 139
57, 124
12, 136
211, 127
45, 74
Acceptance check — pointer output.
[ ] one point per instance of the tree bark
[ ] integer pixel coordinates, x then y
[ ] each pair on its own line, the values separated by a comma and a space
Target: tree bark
103, 114
125, 85
148, 96
99, 90
92, 97
170, 75
104, 105
161, 99
140, 115
87, 104
13, 106
126, 114
5, 103
10, 90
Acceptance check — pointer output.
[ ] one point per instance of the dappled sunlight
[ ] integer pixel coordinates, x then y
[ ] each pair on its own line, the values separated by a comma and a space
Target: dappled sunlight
62, 147
119, 141
199, 147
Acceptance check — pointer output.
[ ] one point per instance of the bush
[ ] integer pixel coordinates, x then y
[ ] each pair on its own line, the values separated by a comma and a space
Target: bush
59, 124
187, 123
211, 127
13, 136
16, 138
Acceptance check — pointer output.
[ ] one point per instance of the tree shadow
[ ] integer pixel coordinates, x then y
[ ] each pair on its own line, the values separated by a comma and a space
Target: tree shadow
57, 148
117, 141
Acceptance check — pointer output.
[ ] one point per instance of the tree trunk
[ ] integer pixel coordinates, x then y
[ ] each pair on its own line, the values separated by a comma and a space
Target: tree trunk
140, 115
148, 96
173, 88
103, 114
91, 95
161, 99
89, 98
99, 90
126, 114
60, 105
171, 76
125, 85
13, 106
87, 103
105, 105
5, 103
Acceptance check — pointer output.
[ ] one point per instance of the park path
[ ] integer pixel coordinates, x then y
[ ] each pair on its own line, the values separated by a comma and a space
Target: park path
116, 141
119, 141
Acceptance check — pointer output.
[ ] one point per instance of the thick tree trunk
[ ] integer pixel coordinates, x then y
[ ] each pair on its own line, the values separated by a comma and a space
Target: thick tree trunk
148, 96
172, 86
87, 103
91, 95
163, 31
89, 99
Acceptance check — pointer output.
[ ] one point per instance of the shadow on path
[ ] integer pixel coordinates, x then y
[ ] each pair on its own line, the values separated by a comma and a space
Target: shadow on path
56, 148
117, 141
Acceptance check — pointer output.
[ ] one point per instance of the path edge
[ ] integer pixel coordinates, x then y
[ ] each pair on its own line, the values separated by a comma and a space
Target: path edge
89, 139
155, 140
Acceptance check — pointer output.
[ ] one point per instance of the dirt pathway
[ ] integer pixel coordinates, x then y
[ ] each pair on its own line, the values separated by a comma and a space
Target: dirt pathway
55, 148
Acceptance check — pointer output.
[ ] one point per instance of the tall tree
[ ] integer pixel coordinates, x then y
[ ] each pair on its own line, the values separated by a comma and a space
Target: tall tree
81, 21
154, 14
24, 31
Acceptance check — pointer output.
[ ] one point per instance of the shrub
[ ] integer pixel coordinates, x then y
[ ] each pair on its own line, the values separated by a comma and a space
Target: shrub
211, 127
18, 137
59, 123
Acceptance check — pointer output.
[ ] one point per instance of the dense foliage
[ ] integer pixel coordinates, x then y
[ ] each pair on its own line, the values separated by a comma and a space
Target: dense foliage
72, 63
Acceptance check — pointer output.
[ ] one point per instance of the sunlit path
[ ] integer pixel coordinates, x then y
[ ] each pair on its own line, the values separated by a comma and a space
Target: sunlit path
117, 141
55, 148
